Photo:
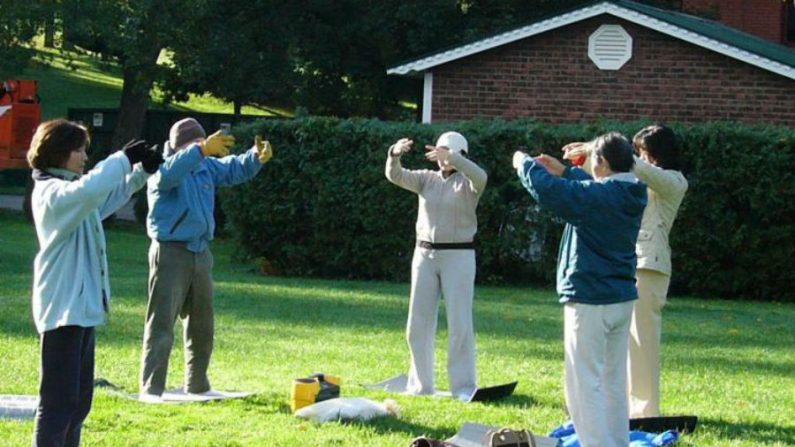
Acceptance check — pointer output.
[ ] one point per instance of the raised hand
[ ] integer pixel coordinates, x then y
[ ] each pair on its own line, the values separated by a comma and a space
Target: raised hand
402, 146
264, 150
552, 164
576, 152
217, 145
135, 150
152, 160
437, 154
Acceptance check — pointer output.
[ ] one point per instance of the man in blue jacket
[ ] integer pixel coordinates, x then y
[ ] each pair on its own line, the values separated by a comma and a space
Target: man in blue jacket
181, 225
595, 278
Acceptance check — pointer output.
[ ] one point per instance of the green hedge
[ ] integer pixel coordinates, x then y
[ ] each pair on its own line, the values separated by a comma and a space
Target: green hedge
322, 206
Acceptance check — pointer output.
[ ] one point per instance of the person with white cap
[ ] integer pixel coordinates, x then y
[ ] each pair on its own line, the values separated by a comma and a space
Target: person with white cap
181, 225
444, 259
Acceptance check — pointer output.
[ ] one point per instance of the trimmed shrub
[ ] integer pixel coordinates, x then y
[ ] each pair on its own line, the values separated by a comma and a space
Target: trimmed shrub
322, 206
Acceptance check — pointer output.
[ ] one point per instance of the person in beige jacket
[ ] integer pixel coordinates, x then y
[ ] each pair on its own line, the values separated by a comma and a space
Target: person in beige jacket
444, 259
657, 166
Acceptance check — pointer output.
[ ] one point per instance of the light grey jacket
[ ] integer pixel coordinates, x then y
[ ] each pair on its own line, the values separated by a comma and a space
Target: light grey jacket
447, 205
70, 271
667, 188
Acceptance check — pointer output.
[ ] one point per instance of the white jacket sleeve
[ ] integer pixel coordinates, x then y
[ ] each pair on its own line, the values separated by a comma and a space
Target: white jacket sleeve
406, 179
122, 193
476, 175
666, 183
70, 203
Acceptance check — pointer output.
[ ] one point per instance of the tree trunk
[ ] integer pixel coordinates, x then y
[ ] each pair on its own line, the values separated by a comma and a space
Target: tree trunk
238, 108
138, 81
49, 30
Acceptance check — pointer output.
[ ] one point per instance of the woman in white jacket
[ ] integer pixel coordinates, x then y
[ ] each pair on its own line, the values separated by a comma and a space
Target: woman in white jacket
444, 259
658, 166
71, 291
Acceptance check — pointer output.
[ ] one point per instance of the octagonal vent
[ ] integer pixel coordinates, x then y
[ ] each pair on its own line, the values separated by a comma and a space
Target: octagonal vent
610, 47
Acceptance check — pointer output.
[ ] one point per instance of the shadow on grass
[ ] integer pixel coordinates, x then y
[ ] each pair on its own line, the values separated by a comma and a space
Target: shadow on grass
305, 307
514, 400
386, 425
755, 432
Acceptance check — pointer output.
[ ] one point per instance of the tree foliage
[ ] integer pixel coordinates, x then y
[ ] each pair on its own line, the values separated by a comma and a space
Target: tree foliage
17, 27
327, 57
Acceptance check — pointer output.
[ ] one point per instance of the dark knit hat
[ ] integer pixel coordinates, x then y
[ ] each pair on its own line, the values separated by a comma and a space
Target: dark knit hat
185, 131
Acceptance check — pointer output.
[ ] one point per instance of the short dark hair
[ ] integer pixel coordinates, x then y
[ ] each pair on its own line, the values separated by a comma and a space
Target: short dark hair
54, 141
661, 143
616, 150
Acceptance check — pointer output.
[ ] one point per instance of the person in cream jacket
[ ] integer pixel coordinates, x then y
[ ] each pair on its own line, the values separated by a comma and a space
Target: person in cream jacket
657, 166
444, 259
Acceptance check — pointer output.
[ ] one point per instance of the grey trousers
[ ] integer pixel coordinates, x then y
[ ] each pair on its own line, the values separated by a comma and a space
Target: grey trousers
450, 273
180, 284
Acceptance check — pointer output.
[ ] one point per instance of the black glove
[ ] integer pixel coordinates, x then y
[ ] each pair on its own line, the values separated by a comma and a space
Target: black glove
152, 160
135, 150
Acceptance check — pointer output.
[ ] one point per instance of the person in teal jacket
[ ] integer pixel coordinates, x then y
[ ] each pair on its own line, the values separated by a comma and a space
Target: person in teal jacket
180, 223
71, 287
595, 278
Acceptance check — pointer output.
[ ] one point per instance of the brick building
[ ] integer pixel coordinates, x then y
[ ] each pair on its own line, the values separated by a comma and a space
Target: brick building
622, 60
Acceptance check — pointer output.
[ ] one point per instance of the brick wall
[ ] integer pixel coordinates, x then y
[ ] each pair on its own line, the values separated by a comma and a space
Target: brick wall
551, 78
765, 18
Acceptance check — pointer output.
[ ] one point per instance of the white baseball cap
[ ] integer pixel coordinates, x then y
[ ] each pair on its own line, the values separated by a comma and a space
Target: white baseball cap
453, 141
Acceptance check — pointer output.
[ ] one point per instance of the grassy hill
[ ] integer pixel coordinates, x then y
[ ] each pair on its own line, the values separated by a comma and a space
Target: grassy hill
79, 79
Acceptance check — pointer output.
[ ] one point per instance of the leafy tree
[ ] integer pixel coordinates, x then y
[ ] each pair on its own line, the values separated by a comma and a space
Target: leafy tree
236, 50
135, 32
17, 27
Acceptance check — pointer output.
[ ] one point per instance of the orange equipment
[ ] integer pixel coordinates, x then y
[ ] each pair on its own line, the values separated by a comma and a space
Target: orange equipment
20, 114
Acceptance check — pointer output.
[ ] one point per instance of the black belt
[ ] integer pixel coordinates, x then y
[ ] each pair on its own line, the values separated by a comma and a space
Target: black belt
446, 245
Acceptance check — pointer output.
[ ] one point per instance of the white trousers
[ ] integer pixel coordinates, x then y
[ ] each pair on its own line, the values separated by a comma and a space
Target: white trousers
643, 361
595, 341
450, 273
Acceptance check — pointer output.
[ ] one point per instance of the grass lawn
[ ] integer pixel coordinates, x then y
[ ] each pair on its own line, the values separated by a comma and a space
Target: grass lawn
730, 363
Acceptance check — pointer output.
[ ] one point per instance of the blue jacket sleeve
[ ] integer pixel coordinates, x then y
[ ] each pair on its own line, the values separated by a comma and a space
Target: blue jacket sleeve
177, 166
574, 173
234, 169
567, 198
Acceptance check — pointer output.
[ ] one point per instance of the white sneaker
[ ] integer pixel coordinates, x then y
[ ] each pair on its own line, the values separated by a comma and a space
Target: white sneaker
150, 398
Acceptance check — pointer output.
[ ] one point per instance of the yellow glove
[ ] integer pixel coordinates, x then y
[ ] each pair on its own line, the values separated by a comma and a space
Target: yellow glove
217, 145
264, 151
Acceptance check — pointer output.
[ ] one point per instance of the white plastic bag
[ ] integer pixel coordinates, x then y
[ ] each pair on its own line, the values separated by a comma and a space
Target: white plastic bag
348, 408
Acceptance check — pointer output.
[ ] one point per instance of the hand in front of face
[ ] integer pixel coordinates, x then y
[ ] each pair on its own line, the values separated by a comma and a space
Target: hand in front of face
402, 146
439, 155
552, 164
576, 152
